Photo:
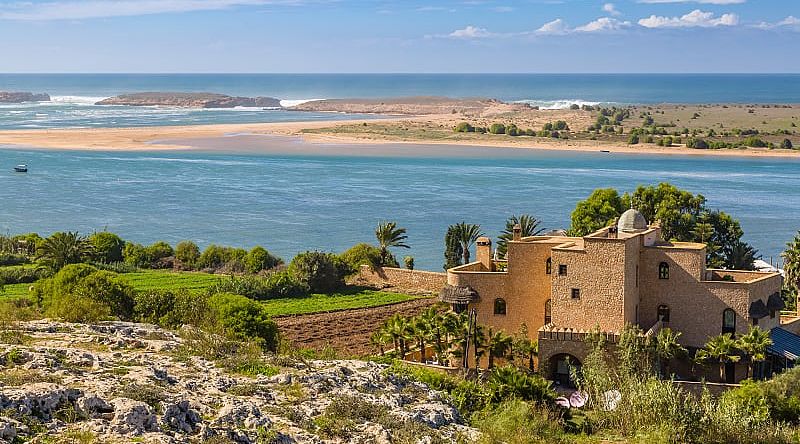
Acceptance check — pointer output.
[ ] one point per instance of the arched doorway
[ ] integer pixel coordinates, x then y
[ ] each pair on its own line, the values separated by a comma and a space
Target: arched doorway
560, 369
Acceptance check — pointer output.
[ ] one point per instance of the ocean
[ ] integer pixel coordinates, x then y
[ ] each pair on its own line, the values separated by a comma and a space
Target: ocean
291, 198
74, 95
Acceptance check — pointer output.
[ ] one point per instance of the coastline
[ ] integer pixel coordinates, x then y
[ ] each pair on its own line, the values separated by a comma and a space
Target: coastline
173, 138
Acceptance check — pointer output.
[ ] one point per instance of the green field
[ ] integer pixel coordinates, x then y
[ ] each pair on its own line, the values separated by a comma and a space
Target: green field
331, 302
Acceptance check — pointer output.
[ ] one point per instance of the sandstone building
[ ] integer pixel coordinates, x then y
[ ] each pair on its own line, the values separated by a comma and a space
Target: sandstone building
562, 287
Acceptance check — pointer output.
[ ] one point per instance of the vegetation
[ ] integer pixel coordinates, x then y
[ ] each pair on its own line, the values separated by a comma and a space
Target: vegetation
319, 272
464, 235
529, 226
62, 248
389, 235
791, 267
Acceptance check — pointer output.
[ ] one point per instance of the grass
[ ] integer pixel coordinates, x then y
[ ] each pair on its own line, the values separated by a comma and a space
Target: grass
317, 303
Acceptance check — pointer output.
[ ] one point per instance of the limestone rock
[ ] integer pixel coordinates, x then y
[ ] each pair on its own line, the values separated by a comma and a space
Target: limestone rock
190, 100
132, 417
20, 97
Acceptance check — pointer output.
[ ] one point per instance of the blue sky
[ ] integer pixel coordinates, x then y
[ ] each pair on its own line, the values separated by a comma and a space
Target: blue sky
408, 36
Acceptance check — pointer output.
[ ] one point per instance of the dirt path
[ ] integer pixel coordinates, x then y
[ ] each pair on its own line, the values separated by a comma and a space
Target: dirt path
345, 331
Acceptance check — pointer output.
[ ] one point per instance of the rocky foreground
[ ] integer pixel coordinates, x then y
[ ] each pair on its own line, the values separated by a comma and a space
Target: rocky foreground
21, 97
190, 100
124, 382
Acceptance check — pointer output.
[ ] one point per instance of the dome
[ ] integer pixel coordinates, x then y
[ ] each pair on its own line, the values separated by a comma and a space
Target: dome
631, 221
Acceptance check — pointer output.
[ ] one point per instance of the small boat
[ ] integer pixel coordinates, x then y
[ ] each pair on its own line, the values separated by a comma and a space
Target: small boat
605, 151
21, 168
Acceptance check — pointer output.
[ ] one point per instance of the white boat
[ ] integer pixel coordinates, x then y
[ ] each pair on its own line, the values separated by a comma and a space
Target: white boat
21, 168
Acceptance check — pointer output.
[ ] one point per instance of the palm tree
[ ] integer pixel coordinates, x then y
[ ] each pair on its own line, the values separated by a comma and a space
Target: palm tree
740, 256
529, 226
791, 267
420, 331
398, 329
497, 344
723, 349
754, 344
667, 347
466, 235
61, 249
389, 235
379, 339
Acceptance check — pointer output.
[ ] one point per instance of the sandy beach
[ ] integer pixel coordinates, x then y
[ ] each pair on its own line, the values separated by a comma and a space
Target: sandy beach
428, 129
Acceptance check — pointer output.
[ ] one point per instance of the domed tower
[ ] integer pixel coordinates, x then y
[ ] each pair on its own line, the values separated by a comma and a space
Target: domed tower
631, 221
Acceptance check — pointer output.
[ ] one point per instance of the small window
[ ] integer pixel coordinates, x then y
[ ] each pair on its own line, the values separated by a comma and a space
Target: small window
548, 265
728, 321
499, 306
663, 313
576, 293
548, 312
663, 270
562, 270
755, 322
772, 314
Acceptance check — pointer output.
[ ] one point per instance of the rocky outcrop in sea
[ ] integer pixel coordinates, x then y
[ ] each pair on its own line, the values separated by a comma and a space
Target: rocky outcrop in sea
125, 382
21, 97
190, 100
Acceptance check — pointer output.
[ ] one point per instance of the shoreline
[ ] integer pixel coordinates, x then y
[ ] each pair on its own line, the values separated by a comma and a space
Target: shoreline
180, 138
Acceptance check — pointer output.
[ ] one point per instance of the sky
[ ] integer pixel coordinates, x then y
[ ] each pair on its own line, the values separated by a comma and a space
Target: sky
457, 36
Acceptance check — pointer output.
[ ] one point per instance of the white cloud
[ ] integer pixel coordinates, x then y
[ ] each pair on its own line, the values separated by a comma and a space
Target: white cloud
707, 2
696, 18
611, 9
470, 32
789, 22
556, 27
89, 9
603, 24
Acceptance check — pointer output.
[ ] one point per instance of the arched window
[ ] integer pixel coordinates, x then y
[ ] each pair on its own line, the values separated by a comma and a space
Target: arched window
663, 313
548, 312
499, 306
663, 270
548, 265
728, 321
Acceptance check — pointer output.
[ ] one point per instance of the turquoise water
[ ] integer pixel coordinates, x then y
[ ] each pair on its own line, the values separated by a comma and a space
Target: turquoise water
290, 203
74, 95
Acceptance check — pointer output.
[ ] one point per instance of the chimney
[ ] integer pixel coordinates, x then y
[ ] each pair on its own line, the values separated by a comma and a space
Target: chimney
484, 252
517, 233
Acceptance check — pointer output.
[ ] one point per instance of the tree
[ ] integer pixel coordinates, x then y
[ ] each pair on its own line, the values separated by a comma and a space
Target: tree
187, 252
62, 248
398, 328
409, 262
722, 348
529, 226
791, 268
739, 255
466, 235
524, 348
787, 144
259, 259
319, 272
389, 235
676, 209
498, 345
107, 246
598, 211
633, 139
667, 347
365, 254
754, 344
452, 248
497, 128
420, 330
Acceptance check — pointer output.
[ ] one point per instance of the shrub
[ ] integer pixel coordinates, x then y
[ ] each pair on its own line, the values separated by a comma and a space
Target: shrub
82, 287
517, 422
497, 128
699, 144
108, 289
135, 255
170, 309
276, 285
22, 275
464, 127
319, 272
187, 252
363, 254
560, 125
633, 139
244, 318
12, 259
787, 144
216, 256
754, 142
158, 253
510, 382
409, 262
259, 259
108, 246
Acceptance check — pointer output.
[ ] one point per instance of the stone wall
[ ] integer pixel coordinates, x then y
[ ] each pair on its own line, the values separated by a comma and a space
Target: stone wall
401, 279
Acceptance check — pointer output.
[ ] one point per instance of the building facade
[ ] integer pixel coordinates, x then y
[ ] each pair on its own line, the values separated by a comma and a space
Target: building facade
563, 287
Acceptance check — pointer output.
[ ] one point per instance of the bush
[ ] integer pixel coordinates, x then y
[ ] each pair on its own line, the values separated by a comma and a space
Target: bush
787, 144
560, 125
633, 139
259, 259
319, 272
409, 262
464, 127
244, 318
216, 257
108, 247
517, 422
276, 285
170, 309
20, 275
187, 252
510, 382
102, 293
754, 142
699, 144
363, 254
135, 254
12, 259
497, 128
158, 252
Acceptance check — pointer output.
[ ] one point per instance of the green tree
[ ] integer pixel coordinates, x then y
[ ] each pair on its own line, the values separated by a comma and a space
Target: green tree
667, 348
365, 254
721, 348
390, 235
529, 226
420, 331
787, 144
259, 259
319, 272
598, 211
791, 268
754, 344
466, 235
244, 319
107, 246
158, 252
498, 344
452, 248
497, 128
188, 253
676, 209
739, 255
408, 261
63, 248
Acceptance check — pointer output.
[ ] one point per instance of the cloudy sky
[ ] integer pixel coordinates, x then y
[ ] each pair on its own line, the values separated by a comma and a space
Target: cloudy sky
399, 36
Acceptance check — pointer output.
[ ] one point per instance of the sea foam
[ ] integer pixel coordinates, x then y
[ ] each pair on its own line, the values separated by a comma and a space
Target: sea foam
559, 104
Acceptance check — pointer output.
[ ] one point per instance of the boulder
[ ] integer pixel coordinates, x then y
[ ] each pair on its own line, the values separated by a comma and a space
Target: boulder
132, 417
